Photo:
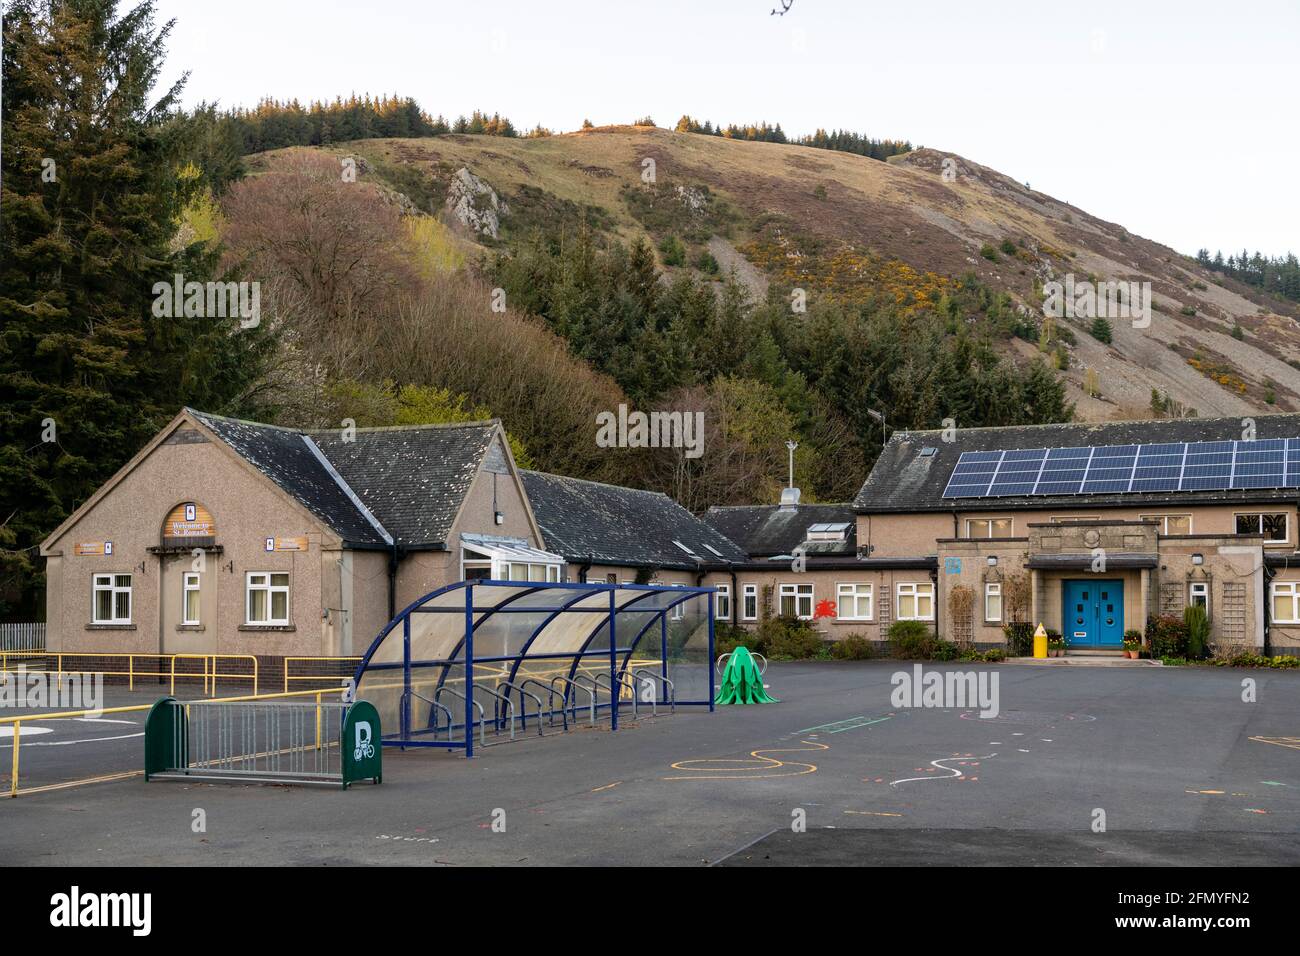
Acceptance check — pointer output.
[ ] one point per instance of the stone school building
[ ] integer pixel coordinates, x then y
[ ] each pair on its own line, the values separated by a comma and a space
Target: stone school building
229, 537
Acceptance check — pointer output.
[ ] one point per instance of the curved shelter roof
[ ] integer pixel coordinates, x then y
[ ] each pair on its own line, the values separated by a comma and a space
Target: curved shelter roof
486, 639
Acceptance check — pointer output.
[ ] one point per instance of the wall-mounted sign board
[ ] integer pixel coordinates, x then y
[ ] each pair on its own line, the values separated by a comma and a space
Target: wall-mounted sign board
93, 547
189, 520
287, 544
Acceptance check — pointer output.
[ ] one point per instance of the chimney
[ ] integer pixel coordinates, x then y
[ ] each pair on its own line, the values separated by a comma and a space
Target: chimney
789, 499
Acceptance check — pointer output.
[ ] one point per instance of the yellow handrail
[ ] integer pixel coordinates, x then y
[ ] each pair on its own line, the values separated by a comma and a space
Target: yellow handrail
300, 677
211, 666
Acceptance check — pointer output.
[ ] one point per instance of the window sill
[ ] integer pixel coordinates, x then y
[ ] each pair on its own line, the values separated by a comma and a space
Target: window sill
190, 627
856, 620
267, 627
125, 626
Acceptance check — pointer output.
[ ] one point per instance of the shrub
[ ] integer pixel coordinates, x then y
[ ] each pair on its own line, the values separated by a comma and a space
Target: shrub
1166, 636
989, 253
727, 637
1008, 247
706, 263
672, 251
855, 647
913, 640
1198, 631
788, 638
910, 639
1020, 638
1101, 330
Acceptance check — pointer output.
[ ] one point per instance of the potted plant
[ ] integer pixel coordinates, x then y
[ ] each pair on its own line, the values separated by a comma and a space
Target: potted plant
1132, 644
1055, 643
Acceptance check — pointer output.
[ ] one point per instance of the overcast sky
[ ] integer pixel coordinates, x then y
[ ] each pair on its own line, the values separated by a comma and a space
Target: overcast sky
1176, 118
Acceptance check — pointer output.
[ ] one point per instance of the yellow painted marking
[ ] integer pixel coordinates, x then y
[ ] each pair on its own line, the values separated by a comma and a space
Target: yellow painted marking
1292, 742
708, 768
80, 783
872, 813
608, 786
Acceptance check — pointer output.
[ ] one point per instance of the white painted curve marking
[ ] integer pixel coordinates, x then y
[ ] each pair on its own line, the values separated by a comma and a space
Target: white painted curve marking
952, 771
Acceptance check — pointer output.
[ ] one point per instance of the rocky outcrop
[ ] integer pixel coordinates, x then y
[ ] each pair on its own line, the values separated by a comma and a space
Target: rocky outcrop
475, 204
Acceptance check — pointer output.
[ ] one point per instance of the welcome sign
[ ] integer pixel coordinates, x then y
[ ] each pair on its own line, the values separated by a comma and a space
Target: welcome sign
189, 520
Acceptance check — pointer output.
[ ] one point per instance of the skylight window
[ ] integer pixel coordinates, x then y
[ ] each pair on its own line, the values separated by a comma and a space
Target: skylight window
684, 548
714, 550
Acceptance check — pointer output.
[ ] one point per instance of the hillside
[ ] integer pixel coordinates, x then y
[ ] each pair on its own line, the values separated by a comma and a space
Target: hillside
843, 224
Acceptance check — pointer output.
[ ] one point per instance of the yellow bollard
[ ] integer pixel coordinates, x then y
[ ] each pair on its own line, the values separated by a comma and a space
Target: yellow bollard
1040, 641
18, 730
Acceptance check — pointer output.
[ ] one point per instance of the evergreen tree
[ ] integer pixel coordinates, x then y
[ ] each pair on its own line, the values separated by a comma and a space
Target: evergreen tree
92, 193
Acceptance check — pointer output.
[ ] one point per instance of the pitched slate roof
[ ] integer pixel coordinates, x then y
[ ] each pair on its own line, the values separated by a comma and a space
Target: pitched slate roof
767, 530
402, 485
283, 456
413, 479
904, 480
625, 526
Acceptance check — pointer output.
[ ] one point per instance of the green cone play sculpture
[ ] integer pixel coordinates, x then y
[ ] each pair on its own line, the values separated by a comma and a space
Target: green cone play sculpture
741, 681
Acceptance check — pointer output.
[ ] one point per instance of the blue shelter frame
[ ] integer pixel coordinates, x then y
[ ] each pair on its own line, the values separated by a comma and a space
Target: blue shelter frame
462, 658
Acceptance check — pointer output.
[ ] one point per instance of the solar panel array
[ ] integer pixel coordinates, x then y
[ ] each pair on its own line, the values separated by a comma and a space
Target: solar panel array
1124, 469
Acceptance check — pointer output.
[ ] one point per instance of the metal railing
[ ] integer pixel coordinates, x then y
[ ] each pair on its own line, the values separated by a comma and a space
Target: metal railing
22, 636
16, 723
255, 741
289, 663
135, 666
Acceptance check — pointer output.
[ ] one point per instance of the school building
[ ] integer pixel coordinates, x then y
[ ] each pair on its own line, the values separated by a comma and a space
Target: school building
230, 537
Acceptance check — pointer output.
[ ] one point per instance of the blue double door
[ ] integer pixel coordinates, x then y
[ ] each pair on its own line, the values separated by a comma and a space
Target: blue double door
1093, 613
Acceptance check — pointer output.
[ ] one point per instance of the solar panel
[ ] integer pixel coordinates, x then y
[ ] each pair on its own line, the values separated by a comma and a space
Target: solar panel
1125, 469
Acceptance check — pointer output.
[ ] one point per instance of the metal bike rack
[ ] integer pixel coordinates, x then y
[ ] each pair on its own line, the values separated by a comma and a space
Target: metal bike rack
564, 716
497, 717
482, 717
622, 681
433, 712
574, 685
588, 683
664, 682
523, 711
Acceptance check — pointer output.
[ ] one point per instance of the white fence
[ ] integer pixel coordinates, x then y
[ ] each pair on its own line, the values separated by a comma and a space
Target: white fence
22, 637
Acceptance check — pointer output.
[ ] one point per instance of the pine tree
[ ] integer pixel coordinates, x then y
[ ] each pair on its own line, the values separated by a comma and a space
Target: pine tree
91, 197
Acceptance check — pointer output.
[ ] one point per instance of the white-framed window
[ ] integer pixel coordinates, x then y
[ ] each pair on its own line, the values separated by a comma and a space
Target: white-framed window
993, 602
722, 609
915, 602
478, 565
1198, 595
1170, 524
854, 602
111, 600
474, 565
267, 599
1272, 525
749, 602
678, 610
191, 592
988, 527
797, 601
1286, 602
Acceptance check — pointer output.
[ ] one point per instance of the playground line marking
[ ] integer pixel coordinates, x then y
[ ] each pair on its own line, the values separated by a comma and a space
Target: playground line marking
939, 764
1292, 742
849, 723
708, 768
872, 813
608, 786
